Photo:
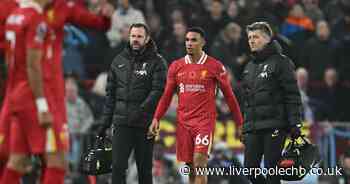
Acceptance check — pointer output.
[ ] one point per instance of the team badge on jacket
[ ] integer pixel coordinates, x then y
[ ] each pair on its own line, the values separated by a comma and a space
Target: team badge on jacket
263, 74
143, 71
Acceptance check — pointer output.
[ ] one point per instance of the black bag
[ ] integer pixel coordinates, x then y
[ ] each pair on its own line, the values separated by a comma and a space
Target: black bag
98, 159
304, 156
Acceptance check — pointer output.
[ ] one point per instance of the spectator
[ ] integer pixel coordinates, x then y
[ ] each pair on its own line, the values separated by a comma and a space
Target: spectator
157, 30
234, 13
177, 15
267, 11
312, 10
302, 81
73, 43
333, 95
80, 119
342, 35
124, 16
215, 22
117, 49
230, 49
174, 47
334, 10
297, 26
320, 53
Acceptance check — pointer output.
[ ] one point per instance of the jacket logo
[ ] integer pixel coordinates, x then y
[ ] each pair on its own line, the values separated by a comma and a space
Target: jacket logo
143, 71
275, 133
263, 74
121, 65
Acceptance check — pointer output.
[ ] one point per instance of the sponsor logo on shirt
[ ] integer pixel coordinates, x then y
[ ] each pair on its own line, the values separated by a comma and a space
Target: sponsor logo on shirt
191, 88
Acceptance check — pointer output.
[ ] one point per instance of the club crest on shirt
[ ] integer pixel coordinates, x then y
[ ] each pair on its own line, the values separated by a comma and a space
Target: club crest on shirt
204, 74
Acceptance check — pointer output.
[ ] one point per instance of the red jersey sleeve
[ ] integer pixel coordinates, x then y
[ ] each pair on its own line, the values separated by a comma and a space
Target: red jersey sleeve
170, 86
225, 86
80, 15
6, 7
36, 34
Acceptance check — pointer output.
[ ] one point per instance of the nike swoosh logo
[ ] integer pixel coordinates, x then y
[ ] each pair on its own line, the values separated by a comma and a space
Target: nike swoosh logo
121, 65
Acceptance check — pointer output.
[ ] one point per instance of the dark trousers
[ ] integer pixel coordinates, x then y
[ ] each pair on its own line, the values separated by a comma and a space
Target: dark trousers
126, 139
268, 143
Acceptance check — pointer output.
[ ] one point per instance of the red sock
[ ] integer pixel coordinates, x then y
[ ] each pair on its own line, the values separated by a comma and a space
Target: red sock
11, 176
54, 176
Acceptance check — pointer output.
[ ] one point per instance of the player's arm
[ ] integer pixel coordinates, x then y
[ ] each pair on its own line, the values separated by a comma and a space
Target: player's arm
164, 102
225, 86
158, 84
34, 72
35, 36
167, 96
80, 15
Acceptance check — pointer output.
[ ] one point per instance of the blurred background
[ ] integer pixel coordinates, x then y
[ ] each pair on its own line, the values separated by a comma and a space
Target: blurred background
314, 33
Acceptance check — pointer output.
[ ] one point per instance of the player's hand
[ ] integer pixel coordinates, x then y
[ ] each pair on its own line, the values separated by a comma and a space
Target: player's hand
45, 119
153, 129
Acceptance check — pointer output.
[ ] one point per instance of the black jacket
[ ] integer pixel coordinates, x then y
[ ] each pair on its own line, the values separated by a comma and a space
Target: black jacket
271, 95
135, 84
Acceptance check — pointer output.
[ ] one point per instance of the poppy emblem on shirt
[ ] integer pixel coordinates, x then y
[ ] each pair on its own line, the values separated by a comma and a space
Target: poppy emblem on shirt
192, 75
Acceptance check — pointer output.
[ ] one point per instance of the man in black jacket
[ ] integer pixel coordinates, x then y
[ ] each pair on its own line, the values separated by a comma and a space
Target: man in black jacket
272, 103
135, 84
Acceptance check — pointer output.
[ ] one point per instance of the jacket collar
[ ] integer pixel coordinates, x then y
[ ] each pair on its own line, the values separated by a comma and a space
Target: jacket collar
270, 49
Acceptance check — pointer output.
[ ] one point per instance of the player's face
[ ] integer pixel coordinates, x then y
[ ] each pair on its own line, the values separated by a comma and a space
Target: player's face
257, 40
194, 43
138, 38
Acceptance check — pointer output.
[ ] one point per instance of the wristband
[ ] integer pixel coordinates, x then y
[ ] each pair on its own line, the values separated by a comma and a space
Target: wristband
41, 104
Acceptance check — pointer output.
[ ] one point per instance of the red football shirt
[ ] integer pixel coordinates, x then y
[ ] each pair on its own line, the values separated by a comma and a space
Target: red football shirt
25, 28
60, 13
196, 85
6, 7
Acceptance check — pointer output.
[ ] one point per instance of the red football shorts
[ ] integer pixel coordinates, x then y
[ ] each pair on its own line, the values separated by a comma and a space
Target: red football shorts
28, 137
190, 140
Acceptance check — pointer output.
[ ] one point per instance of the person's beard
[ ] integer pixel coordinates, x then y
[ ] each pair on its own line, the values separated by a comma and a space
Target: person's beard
139, 49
